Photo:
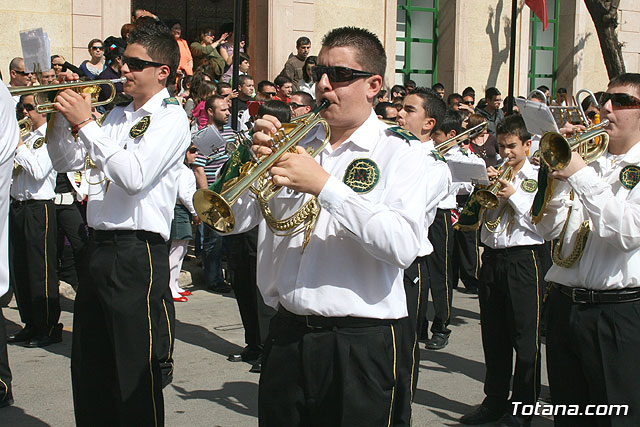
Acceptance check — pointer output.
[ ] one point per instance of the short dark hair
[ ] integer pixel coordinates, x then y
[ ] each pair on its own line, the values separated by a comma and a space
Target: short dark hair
276, 108
369, 51
223, 85
302, 40
626, 79
437, 86
434, 106
453, 98
561, 90
94, 41
381, 109
513, 125
114, 48
382, 93
243, 78
537, 95
210, 103
469, 91
13, 65
282, 80
543, 88
398, 89
451, 120
159, 44
203, 32
409, 83
202, 91
243, 57
307, 99
264, 83
491, 92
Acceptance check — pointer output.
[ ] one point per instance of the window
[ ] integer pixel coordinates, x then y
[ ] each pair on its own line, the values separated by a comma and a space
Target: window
416, 41
543, 49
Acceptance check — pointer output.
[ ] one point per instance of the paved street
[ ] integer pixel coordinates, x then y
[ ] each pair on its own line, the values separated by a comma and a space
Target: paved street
207, 390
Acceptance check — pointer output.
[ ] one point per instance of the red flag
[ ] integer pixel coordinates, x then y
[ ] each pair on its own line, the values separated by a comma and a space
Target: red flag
539, 7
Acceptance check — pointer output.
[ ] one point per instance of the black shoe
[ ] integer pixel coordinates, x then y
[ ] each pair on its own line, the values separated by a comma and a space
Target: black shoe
43, 340
25, 334
509, 420
256, 368
221, 288
481, 415
438, 341
7, 401
248, 354
471, 290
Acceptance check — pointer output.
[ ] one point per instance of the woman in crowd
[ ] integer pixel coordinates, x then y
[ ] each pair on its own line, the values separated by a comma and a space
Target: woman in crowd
204, 51
185, 66
307, 84
226, 50
94, 66
199, 96
484, 145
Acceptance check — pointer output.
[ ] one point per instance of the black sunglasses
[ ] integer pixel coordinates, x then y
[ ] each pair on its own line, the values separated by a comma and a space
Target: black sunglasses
192, 149
97, 47
137, 64
29, 107
591, 115
295, 105
620, 101
271, 94
338, 74
23, 73
468, 102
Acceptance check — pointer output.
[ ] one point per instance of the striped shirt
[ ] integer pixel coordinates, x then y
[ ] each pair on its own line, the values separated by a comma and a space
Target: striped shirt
214, 161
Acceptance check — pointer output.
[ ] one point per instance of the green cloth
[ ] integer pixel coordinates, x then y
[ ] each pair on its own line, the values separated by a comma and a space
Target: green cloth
231, 169
471, 215
181, 224
209, 53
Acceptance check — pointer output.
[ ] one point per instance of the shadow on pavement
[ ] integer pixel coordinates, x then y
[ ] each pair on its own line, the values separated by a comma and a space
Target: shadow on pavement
435, 401
240, 397
63, 348
15, 416
202, 337
453, 363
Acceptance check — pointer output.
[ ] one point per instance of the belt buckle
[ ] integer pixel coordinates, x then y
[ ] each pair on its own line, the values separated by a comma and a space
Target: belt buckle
575, 292
306, 320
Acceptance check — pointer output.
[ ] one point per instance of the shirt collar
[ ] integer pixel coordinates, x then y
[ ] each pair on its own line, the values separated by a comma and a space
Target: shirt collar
633, 155
42, 130
368, 133
527, 169
149, 107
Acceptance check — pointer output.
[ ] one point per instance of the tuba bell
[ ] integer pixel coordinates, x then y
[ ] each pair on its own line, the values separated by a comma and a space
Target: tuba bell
215, 208
25, 126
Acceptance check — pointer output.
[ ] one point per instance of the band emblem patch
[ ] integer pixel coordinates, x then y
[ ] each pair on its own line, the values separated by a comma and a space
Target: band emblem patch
629, 176
38, 143
362, 175
529, 185
172, 101
140, 128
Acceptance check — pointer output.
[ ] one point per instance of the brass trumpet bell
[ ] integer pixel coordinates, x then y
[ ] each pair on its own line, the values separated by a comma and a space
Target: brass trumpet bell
555, 149
488, 197
217, 213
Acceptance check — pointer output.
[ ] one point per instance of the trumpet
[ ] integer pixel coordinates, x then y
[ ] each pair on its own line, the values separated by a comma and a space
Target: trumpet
215, 209
25, 126
447, 145
555, 149
45, 106
488, 197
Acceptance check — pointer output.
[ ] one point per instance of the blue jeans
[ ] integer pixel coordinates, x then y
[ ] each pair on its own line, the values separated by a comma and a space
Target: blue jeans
211, 257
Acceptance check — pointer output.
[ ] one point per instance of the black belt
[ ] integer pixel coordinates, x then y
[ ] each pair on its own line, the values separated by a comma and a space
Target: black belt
588, 296
320, 322
125, 236
513, 249
15, 202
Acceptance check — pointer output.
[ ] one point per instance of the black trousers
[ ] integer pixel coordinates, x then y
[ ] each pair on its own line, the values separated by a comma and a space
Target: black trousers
416, 281
72, 226
328, 377
592, 356
32, 240
5, 372
510, 297
123, 331
439, 265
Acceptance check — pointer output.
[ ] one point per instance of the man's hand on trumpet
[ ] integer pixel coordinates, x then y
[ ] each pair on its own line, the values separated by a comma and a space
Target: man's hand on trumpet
75, 107
576, 163
298, 171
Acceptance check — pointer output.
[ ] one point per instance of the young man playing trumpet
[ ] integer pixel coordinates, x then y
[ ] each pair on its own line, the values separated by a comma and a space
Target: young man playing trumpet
123, 318
510, 291
594, 301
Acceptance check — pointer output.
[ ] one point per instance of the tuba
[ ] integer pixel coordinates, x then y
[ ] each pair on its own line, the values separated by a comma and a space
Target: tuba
45, 106
488, 197
555, 149
215, 208
447, 145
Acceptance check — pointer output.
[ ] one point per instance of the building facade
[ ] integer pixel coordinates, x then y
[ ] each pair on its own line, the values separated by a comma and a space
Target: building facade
456, 42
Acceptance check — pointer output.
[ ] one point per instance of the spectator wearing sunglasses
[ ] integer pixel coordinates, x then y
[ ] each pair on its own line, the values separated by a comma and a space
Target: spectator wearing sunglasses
593, 302
18, 76
95, 65
267, 89
338, 288
113, 55
300, 103
123, 334
386, 111
398, 93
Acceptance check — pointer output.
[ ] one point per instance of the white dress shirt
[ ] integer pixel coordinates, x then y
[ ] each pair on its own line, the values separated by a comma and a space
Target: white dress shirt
516, 228
454, 157
362, 242
611, 257
186, 188
438, 186
9, 135
37, 178
141, 185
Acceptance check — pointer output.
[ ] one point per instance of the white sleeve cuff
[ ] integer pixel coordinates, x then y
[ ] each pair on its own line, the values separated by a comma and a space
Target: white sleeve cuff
333, 194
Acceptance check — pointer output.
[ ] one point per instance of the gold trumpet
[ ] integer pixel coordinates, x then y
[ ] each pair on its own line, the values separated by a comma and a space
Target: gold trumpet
215, 209
488, 197
25, 125
447, 145
45, 106
555, 149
